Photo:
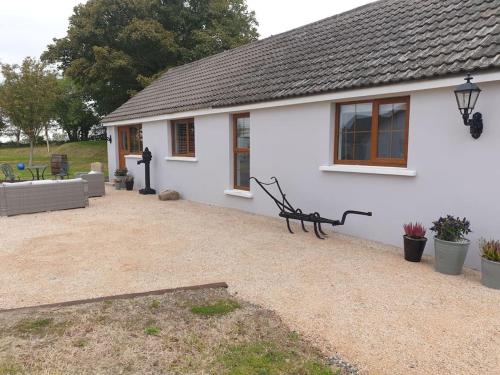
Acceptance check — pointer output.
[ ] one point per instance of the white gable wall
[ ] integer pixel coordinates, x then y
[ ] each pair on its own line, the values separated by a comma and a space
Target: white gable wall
455, 173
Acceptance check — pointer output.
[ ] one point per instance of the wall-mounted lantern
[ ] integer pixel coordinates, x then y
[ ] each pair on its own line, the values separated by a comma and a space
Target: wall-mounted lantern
109, 139
467, 95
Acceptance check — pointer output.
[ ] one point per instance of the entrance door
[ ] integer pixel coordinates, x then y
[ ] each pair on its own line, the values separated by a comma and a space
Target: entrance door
129, 142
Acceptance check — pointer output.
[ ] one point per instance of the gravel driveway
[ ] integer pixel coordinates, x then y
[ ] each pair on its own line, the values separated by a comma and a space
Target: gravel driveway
349, 296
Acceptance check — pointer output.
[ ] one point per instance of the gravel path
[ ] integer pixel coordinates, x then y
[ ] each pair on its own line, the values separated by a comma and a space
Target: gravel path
353, 298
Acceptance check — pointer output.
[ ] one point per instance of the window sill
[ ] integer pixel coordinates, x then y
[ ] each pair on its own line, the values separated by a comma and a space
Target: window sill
239, 193
133, 156
368, 169
181, 158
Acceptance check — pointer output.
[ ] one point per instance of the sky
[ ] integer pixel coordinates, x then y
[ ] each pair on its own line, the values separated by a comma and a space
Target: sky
28, 26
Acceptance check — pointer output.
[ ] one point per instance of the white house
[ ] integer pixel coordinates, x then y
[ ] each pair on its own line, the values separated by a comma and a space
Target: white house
356, 111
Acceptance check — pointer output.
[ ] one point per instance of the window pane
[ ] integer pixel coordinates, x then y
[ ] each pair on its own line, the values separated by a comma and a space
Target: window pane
384, 145
243, 132
242, 169
392, 116
124, 139
180, 130
135, 140
397, 145
364, 117
191, 138
391, 131
362, 145
347, 113
385, 117
355, 131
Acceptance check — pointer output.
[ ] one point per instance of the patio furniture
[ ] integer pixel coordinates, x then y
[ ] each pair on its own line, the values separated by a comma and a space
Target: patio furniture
95, 183
37, 169
288, 212
59, 166
8, 173
40, 196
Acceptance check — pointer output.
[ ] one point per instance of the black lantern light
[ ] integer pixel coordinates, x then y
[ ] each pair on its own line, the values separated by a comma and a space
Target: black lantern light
109, 139
467, 95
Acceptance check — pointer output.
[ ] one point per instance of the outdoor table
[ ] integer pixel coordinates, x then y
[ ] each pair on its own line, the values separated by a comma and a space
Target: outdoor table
37, 169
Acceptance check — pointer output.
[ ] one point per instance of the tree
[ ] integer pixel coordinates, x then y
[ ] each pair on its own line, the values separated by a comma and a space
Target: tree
27, 97
3, 122
74, 113
114, 48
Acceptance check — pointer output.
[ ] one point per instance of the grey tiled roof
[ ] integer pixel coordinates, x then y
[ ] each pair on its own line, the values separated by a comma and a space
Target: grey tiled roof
387, 41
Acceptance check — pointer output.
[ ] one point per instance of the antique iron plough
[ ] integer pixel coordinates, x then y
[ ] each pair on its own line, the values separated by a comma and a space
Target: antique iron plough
288, 212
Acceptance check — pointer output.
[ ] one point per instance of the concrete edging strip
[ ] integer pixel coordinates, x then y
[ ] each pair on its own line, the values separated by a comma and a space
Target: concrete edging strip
119, 296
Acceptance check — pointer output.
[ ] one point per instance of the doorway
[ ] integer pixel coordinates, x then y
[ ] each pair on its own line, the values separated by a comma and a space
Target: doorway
129, 142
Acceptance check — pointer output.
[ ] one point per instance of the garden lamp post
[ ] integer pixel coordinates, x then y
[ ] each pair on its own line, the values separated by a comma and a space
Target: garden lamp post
467, 95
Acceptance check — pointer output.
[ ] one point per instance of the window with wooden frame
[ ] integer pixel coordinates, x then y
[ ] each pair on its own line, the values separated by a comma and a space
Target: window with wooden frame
183, 138
241, 151
372, 132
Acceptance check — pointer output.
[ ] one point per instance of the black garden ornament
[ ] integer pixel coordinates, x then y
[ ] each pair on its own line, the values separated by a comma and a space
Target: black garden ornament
288, 212
467, 95
146, 160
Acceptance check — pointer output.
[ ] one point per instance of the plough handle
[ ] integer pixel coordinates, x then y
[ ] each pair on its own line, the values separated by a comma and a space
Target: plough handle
344, 216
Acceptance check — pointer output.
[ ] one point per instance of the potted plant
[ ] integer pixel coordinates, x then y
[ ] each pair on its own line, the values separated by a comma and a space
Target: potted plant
490, 263
129, 183
414, 241
450, 244
118, 184
120, 175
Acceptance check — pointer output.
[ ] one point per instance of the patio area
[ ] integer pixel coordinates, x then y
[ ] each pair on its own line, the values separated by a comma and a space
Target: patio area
348, 296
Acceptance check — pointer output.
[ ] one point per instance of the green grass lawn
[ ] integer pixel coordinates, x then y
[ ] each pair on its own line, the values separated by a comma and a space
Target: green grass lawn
80, 155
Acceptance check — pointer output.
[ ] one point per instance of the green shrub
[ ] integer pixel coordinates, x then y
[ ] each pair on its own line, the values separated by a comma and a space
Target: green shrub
121, 172
451, 228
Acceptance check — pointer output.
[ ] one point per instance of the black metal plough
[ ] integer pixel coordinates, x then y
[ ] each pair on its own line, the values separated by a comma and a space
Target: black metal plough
289, 213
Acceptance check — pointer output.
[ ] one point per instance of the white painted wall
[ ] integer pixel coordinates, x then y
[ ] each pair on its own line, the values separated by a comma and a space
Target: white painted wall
455, 173
135, 170
112, 151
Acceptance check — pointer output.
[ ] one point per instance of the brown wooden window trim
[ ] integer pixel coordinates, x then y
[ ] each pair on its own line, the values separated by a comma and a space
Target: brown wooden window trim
190, 151
374, 160
237, 150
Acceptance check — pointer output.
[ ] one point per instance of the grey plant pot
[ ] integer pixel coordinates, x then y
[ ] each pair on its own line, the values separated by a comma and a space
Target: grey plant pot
490, 273
121, 180
450, 256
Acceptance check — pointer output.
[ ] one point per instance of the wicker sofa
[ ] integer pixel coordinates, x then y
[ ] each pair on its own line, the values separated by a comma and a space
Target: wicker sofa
39, 196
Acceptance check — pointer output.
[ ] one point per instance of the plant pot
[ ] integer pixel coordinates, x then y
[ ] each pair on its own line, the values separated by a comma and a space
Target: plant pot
414, 248
129, 185
118, 185
120, 180
450, 256
490, 273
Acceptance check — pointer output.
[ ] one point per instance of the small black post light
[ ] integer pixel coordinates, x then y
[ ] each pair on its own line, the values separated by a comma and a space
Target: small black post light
467, 95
